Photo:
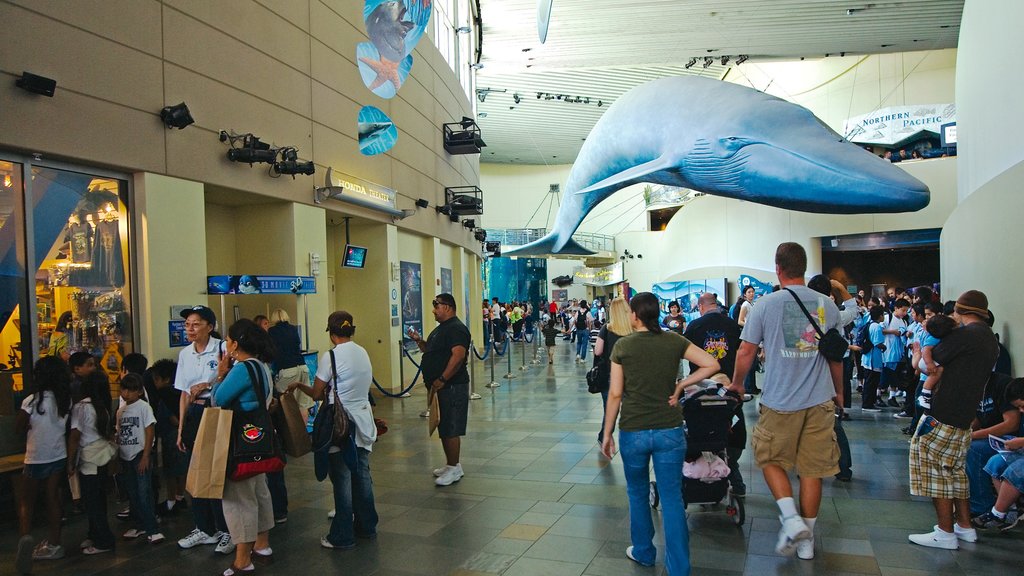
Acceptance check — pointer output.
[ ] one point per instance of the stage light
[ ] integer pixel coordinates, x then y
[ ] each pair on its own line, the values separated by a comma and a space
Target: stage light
741, 59
422, 203
252, 150
291, 165
177, 116
469, 223
707, 61
515, 98
690, 64
36, 84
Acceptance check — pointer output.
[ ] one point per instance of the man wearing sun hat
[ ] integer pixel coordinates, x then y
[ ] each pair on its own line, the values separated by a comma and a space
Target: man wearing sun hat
444, 371
938, 450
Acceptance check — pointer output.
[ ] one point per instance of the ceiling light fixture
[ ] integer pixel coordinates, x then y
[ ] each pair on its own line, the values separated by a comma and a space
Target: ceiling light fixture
515, 98
741, 59
708, 60
690, 64
724, 60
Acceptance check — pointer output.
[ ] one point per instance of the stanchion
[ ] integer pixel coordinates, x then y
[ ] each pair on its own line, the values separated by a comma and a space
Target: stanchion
522, 351
508, 353
492, 353
401, 364
472, 373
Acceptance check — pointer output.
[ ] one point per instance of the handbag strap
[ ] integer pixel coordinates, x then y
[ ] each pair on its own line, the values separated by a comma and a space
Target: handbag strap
806, 313
254, 379
334, 379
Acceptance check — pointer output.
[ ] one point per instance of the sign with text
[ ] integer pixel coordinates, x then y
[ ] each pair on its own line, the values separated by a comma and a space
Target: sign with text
604, 276
892, 125
368, 193
260, 284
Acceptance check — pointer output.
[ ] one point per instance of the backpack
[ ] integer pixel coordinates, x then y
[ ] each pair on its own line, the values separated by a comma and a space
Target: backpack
581, 320
864, 339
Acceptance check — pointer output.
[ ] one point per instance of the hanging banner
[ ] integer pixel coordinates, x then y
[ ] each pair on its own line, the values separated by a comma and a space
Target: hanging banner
260, 284
760, 288
892, 125
446, 281
412, 302
604, 276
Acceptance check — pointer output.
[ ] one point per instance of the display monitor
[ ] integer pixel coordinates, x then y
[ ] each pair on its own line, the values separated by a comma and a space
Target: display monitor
355, 256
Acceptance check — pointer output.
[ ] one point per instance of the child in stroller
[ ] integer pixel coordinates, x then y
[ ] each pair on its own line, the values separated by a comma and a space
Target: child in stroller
715, 436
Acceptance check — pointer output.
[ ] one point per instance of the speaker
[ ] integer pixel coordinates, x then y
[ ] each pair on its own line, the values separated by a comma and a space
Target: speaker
36, 84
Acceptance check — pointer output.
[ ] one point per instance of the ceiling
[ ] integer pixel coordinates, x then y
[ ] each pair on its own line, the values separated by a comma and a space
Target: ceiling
599, 49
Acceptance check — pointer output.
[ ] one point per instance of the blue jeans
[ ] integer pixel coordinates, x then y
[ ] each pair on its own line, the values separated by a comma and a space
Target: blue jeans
582, 343
845, 458
353, 496
983, 497
604, 409
140, 493
667, 448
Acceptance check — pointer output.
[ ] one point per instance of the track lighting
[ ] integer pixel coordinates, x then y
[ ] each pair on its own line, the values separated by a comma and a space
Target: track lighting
177, 116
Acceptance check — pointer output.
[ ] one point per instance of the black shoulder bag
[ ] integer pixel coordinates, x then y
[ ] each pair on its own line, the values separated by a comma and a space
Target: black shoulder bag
831, 344
253, 447
332, 426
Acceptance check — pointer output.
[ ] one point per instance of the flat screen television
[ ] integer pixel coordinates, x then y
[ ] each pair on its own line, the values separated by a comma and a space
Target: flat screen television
355, 257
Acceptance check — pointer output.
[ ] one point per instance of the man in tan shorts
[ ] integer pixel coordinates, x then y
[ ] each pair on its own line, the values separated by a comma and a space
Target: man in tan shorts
801, 391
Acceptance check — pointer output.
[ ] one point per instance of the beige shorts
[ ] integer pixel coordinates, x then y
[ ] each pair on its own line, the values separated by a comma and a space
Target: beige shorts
247, 508
805, 439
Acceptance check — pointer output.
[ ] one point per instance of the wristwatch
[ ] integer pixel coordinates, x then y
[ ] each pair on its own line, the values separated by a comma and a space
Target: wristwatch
442, 379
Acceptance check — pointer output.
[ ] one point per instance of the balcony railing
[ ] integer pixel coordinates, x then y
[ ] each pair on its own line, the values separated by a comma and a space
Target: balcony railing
520, 236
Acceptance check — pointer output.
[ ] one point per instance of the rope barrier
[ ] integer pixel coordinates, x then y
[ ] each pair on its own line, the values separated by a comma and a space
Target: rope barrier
400, 394
477, 354
504, 347
529, 337
407, 355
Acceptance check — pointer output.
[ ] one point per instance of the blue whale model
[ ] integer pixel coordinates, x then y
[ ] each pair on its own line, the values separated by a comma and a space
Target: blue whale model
727, 140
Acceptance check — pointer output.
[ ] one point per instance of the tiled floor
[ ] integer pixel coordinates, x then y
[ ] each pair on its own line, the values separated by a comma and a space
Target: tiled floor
539, 500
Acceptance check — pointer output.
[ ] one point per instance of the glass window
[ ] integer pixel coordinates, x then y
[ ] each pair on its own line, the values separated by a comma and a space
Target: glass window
15, 334
82, 293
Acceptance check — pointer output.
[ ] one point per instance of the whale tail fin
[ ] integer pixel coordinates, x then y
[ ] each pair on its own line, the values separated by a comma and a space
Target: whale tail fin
546, 246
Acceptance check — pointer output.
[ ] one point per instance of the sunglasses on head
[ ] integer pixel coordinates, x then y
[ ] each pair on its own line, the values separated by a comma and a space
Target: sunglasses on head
435, 303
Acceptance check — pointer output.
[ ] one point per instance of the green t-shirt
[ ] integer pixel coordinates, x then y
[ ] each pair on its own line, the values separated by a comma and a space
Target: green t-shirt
650, 363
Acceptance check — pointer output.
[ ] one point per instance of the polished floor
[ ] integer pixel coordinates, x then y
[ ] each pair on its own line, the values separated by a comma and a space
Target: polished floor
539, 500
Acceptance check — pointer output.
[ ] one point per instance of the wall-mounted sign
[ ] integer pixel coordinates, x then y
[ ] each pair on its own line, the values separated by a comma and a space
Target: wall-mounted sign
176, 335
347, 188
892, 125
604, 276
253, 284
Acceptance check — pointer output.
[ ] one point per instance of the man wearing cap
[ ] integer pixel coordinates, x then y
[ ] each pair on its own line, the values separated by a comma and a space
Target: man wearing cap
197, 371
444, 370
938, 450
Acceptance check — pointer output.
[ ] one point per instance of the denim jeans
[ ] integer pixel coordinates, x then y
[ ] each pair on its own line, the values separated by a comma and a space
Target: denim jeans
94, 501
140, 493
278, 494
750, 382
847, 381
983, 496
582, 343
667, 448
353, 496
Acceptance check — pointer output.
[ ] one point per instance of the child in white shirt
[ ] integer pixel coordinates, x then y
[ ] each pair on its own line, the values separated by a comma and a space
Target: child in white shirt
136, 428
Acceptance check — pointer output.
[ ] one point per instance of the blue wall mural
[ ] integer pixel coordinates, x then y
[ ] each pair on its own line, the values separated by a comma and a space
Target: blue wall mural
377, 133
727, 140
394, 28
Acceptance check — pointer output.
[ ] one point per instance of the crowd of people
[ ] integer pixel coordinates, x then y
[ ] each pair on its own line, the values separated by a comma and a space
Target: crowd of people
76, 437
937, 366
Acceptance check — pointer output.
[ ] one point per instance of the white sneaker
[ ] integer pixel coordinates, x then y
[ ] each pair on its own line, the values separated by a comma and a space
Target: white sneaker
963, 534
793, 530
425, 414
936, 539
439, 471
197, 538
331, 514
805, 549
450, 476
225, 546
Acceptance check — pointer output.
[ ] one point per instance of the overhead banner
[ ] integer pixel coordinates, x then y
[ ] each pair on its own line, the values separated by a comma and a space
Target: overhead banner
604, 276
892, 125
253, 284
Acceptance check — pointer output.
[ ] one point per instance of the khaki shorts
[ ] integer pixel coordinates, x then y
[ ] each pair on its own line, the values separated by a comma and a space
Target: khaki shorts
247, 508
938, 456
805, 439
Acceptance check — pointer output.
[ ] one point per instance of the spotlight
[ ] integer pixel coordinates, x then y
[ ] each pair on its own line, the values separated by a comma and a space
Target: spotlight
600, 103
724, 60
463, 29
176, 116
481, 96
558, 97
707, 61
476, 66
480, 234
469, 223
741, 59
290, 164
36, 84
690, 64
422, 203
252, 150
515, 98
539, 94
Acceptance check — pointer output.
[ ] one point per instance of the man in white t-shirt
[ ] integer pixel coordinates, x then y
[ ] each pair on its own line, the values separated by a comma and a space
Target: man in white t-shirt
801, 391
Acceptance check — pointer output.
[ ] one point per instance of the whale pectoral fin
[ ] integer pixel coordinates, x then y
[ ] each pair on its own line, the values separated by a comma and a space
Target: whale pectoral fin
630, 176
546, 246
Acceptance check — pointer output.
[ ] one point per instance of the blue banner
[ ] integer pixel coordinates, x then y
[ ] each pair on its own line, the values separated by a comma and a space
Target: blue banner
253, 284
686, 294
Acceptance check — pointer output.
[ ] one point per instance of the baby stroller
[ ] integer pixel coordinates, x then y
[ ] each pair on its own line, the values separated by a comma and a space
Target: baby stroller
708, 416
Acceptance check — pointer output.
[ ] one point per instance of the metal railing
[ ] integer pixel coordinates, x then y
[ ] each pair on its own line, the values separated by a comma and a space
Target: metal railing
520, 236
